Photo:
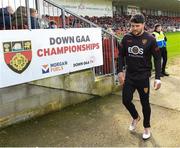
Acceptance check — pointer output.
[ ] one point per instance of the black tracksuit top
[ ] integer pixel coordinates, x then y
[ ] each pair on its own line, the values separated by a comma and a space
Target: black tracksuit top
135, 52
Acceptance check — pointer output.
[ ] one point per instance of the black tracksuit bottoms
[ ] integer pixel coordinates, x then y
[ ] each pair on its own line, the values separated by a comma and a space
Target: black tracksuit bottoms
164, 58
142, 86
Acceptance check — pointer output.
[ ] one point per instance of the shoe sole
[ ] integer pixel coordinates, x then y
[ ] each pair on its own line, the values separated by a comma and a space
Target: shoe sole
146, 138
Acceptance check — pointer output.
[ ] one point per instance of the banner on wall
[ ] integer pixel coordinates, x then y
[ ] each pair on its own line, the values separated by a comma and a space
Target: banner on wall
131, 10
31, 55
81, 7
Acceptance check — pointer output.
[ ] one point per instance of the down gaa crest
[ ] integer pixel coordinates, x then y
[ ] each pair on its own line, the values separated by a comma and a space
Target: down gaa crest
17, 55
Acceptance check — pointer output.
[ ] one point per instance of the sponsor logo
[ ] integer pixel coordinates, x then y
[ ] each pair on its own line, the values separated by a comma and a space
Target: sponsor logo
146, 90
144, 41
91, 61
135, 51
17, 55
45, 68
58, 66
81, 63
81, 6
53, 67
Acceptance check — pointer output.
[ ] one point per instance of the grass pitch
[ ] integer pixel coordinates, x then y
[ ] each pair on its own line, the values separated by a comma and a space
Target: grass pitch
173, 44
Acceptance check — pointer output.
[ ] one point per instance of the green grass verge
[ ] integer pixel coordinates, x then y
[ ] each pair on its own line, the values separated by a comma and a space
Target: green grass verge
173, 44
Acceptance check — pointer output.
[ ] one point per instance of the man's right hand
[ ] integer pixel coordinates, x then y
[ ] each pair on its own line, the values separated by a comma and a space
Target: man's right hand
157, 84
121, 77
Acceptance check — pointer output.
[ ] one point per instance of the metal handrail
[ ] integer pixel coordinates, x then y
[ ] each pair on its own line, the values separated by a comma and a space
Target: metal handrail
70, 12
83, 19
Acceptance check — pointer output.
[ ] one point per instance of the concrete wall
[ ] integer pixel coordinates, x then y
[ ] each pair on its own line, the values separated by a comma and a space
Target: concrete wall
22, 102
82, 81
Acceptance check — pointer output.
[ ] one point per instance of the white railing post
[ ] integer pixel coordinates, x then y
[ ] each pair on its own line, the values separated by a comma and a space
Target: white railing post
28, 14
113, 58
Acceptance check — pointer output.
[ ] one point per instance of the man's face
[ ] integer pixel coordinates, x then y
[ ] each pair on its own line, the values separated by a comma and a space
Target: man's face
34, 14
137, 28
10, 10
159, 28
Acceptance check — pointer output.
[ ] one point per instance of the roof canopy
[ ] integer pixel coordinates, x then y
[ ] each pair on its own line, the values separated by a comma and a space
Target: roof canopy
166, 5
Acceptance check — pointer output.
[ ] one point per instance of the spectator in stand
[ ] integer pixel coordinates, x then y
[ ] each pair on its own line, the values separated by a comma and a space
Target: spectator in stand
5, 17
34, 19
52, 25
20, 18
44, 22
122, 21
161, 42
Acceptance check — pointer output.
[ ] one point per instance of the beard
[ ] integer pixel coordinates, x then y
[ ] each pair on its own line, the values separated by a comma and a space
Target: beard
137, 33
